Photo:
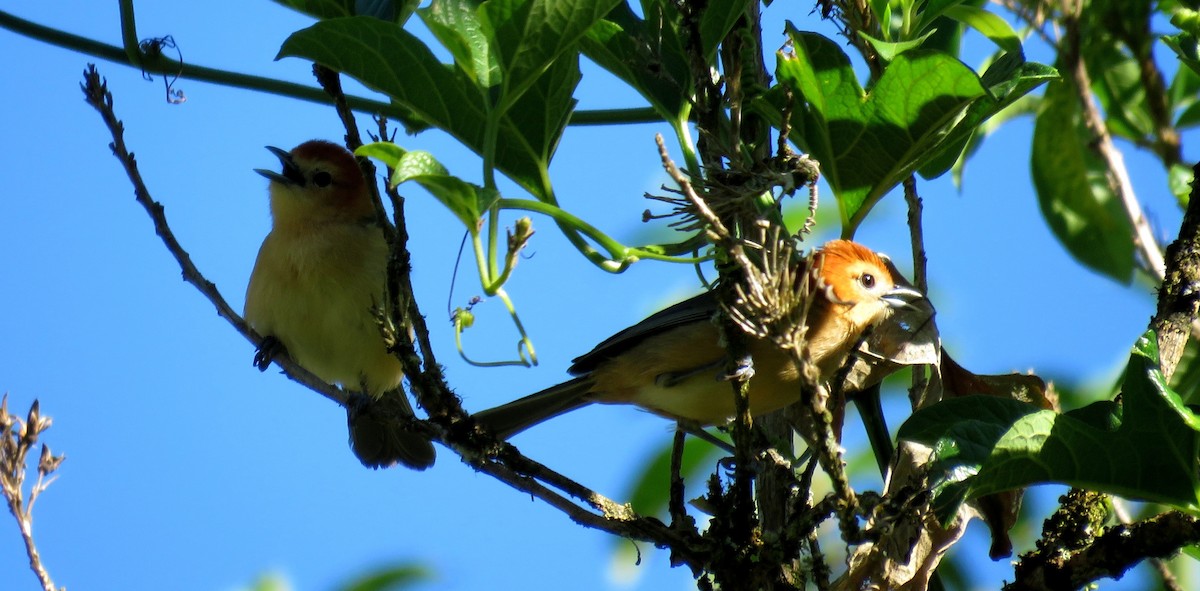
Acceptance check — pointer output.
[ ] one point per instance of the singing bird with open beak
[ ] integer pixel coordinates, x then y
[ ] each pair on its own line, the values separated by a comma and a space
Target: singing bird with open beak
320, 272
672, 363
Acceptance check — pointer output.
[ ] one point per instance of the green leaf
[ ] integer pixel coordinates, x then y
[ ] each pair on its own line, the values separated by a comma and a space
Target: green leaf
386, 152
395, 11
1008, 79
387, 58
1185, 46
716, 21
466, 201
1073, 190
1190, 117
867, 144
537, 120
321, 9
1143, 447
1117, 82
990, 25
650, 492
529, 35
1179, 179
646, 56
882, 9
456, 25
1187, 20
393, 61
270, 582
1184, 88
1027, 105
888, 50
389, 578
933, 10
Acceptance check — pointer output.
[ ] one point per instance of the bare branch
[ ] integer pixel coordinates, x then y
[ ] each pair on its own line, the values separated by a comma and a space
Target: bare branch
331, 82
449, 424
17, 438
1072, 552
1118, 175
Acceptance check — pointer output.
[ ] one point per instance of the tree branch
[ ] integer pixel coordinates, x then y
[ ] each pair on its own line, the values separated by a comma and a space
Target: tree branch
1070, 556
1118, 175
1179, 295
17, 438
98, 96
448, 423
163, 65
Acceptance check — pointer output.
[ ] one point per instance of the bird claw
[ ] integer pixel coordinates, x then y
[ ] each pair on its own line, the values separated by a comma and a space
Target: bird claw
267, 350
743, 372
729, 464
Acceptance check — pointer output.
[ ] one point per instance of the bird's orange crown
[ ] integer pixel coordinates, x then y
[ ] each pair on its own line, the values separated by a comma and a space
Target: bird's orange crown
853, 270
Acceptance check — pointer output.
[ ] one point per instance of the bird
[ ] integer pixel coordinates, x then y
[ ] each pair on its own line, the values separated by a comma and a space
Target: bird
319, 273
672, 362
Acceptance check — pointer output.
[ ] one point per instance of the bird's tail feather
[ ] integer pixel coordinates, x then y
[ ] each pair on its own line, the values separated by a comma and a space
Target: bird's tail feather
379, 437
509, 419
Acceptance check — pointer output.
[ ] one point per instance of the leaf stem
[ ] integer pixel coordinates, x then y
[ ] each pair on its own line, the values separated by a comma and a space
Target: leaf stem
619, 254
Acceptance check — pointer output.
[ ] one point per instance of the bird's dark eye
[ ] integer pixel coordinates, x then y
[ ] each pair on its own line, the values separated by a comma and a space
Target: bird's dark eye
867, 280
322, 179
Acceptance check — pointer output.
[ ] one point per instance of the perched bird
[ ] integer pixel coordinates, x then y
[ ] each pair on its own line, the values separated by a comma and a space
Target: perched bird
672, 362
318, 275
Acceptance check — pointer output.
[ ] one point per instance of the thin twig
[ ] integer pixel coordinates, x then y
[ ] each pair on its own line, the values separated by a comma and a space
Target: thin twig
917, 234
675, 506
1118, 174
823, 438
503, 462
331, 82
17, 438
721, 236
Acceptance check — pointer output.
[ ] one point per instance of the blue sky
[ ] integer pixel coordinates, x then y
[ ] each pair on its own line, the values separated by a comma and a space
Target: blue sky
188, 469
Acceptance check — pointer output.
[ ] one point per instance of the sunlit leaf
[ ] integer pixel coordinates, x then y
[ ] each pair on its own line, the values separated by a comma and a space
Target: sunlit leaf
466, 201
867, 144
888, 50
989, 24
648, 56
1184, 45
530, 35
1144, 446
456, 25
387, 58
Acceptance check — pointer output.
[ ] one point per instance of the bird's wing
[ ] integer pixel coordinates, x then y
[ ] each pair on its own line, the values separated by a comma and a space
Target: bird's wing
696, 309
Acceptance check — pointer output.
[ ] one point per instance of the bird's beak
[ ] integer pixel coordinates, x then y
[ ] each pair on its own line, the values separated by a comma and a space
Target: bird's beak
291, 173
902, 296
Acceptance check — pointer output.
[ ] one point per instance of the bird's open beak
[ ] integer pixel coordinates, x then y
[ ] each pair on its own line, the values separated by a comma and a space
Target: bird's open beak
902, 297
291, 173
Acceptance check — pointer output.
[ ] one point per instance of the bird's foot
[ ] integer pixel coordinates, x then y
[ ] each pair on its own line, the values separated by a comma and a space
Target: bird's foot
266, 352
